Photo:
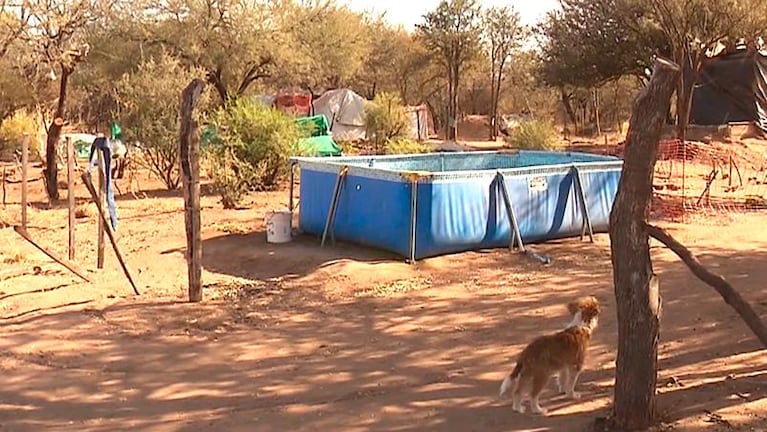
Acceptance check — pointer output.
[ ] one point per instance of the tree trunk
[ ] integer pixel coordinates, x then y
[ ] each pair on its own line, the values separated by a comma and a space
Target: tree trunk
596, 111
497, 98
692, 60
568, 106
637, 299
54, 133
452, 126
493, 112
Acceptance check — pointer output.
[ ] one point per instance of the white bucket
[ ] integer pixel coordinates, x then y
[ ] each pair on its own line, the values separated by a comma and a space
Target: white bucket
278, 226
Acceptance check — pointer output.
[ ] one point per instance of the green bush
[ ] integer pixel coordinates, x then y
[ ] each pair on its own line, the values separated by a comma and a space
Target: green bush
149, 101
534, 135
385, 120
255, 145
406, 146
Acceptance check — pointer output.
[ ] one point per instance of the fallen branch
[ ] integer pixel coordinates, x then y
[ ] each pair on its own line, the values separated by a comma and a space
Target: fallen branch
86, 176
728, 293
66, 263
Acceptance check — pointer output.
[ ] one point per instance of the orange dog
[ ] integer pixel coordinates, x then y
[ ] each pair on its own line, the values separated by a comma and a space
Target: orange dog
561, 353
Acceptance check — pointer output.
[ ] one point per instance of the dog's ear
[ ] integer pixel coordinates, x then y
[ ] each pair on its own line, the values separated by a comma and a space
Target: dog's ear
573, 307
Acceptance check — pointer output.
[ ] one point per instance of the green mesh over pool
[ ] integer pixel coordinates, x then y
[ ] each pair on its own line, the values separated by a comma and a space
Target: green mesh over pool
478, 161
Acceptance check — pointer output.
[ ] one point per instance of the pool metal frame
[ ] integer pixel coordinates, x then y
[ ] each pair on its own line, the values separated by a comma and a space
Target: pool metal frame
344, 163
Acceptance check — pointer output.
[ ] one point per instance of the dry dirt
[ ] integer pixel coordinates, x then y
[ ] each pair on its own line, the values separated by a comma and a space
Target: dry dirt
297, 338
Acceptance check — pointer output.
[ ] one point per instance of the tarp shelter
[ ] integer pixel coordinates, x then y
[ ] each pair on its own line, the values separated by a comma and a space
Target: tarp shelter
81, 142
294, 103
731, 88
421, 123
345, 111
319, 142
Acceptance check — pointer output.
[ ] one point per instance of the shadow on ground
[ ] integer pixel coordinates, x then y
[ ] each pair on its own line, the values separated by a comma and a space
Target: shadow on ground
288, 355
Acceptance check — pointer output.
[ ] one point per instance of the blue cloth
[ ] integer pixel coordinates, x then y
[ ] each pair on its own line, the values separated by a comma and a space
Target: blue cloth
102, 144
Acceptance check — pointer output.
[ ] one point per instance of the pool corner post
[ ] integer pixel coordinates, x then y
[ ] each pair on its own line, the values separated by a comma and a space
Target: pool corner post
581, 197
292, 179
413, 178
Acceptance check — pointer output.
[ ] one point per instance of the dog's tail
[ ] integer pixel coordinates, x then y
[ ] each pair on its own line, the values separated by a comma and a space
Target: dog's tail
509, 380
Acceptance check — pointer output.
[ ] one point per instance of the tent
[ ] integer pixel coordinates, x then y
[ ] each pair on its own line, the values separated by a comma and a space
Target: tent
319, 143
421, 122
731, 88
345, 111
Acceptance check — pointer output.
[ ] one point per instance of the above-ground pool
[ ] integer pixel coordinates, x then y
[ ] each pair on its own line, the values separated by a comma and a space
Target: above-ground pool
458, 198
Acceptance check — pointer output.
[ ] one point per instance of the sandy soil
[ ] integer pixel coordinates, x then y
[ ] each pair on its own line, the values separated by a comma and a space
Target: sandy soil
294, 337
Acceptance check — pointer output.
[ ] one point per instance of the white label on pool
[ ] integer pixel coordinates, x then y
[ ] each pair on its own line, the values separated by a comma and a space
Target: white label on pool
538, 184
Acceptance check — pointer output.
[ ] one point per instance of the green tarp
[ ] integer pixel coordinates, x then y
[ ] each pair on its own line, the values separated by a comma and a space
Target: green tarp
319, 143
315, 125
320, 146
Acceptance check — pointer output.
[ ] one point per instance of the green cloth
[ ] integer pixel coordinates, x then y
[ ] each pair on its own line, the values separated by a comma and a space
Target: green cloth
320, 146
314, 125
117, 133
208, 136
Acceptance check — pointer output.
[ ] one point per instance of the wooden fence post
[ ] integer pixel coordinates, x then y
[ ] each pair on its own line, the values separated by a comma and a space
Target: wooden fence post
71, 196
101, 226
24, 163
189, 155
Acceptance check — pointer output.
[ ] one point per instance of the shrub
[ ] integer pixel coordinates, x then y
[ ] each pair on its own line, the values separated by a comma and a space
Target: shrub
255, 143
385, 120
149, 99
13, 129
406, 146
534, 135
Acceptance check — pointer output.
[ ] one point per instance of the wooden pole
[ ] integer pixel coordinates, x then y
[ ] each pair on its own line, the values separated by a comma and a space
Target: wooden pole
4, 202
101, 221
86, 176
189, 155
68, 265
71, 196
728, 293
24, 163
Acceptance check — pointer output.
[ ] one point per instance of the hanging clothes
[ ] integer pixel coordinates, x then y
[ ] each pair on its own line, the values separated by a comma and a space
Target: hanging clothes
102, 144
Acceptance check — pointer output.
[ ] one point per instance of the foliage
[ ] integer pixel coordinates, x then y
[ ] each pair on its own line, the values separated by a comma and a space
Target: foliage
333, 49
13, 129
256, 142
534, 135
452, 31
385, 119
149, 101
406, 146
590, 42
692, 27
503, 33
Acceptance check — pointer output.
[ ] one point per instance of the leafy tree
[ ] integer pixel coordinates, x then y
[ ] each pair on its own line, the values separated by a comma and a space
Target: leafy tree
237, 43
328, 53
149, 103
387, 65
590, 42
503, 33
452, 31
57, 36
691, 27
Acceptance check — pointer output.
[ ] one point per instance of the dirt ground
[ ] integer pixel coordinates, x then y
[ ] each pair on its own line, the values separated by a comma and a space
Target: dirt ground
299, 338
